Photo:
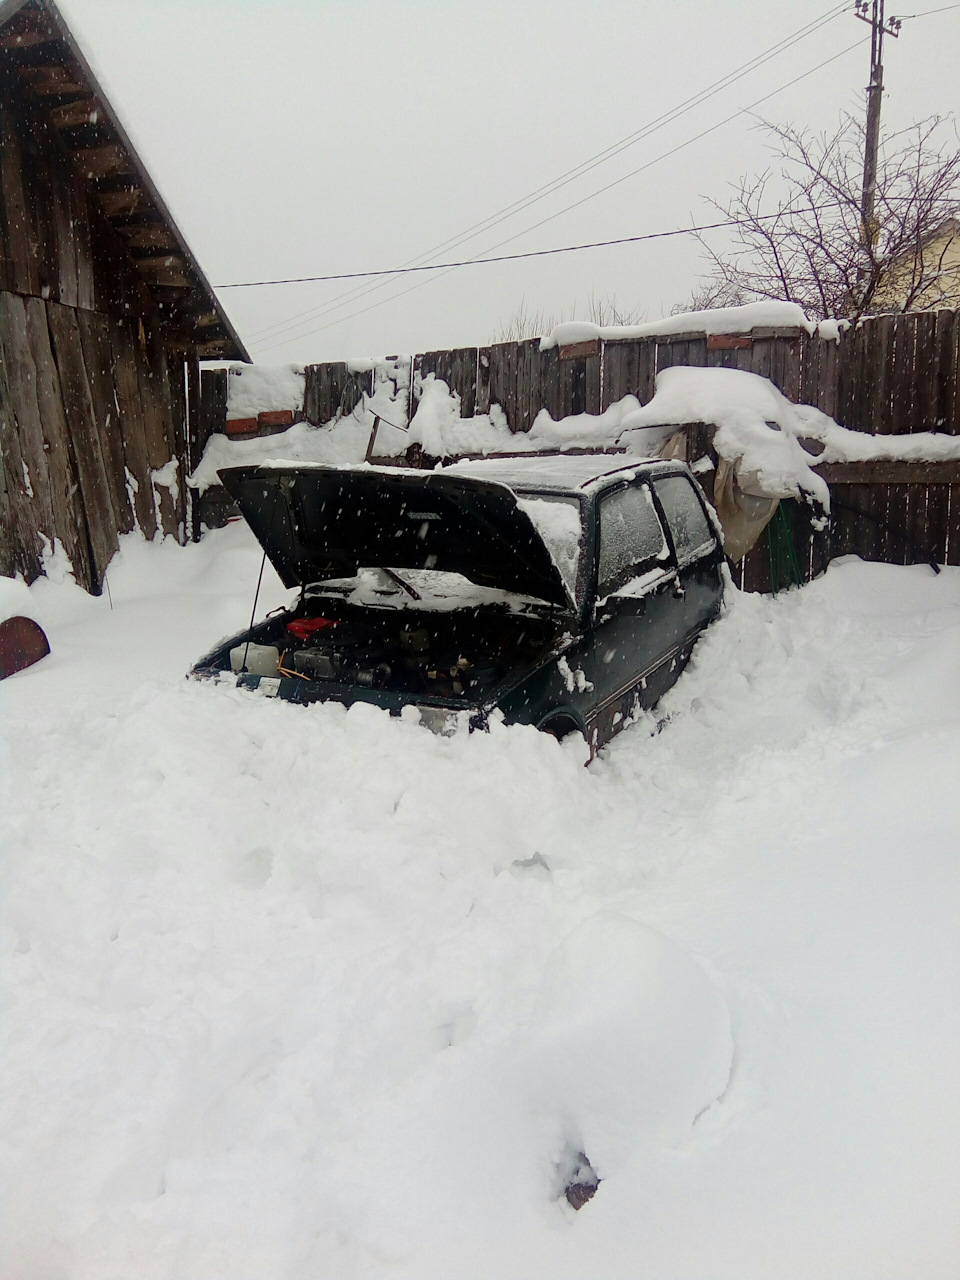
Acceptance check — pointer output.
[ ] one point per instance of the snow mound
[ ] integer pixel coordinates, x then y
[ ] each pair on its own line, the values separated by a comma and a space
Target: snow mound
440, 431
305, 991
16, 599
346, 441
630, 1041
343, 440
261, 388
437, 413
757, 426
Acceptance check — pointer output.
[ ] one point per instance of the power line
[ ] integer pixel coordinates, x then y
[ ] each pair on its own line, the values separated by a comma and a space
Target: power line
680, 146
571, 175
638, 135
927, 13
531, 253
664, 155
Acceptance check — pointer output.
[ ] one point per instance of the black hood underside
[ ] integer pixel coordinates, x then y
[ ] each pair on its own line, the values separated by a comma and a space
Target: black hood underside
320, 522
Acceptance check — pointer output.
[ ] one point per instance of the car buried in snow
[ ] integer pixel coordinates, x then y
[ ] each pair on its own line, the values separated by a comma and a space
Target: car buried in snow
562, 591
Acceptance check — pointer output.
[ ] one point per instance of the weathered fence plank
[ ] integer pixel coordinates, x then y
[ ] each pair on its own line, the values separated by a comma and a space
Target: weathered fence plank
483, 381
947, 412
681, 349
953, 529
629, 369
32, 480
458, 369
213, 407
505, 365
333, 390
161, 447
19, 544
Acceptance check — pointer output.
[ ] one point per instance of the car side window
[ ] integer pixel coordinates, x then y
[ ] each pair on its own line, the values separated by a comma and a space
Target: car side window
692, 532
631, 537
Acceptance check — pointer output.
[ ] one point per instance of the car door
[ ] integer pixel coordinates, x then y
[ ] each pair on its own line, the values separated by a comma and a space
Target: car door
637, 617
696, 549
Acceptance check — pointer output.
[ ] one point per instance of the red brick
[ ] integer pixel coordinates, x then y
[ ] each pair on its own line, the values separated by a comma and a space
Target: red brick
276, 418
577, 350
241, 426
728, 341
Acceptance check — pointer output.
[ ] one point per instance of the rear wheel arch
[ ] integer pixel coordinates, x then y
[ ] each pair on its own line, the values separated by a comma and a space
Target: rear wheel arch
560, 724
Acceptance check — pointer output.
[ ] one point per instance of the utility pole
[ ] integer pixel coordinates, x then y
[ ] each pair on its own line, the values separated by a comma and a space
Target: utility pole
872, 11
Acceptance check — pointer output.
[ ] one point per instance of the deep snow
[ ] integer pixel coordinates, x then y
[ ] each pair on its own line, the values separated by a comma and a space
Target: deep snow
295, 992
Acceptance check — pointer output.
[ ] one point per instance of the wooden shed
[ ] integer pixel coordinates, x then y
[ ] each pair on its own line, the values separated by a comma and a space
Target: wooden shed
104, 316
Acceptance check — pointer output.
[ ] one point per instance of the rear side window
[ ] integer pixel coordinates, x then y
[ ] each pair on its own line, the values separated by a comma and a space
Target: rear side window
692, 533
631, 537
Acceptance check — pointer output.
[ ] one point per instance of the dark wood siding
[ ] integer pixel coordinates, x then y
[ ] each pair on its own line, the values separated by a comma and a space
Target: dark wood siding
87, 414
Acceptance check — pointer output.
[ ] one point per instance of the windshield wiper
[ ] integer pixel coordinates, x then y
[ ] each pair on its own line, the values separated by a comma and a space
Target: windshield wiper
395, 577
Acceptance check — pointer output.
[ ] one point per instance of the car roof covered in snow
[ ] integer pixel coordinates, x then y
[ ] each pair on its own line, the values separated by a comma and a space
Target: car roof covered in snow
566, 472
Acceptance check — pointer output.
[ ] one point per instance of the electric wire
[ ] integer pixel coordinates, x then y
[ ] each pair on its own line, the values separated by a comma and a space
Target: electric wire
571, 175
530, 253
926, 13
278, 327
664, 155
638, 135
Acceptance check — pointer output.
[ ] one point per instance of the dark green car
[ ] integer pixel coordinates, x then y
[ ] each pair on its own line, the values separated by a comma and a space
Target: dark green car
561, 591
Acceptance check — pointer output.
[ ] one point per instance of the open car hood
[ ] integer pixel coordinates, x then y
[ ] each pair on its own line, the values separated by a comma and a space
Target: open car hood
317, 522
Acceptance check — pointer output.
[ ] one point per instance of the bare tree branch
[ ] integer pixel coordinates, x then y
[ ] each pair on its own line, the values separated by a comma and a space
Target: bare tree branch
811, 249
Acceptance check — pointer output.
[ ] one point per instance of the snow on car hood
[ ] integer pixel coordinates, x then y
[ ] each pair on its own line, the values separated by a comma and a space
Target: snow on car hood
321, 522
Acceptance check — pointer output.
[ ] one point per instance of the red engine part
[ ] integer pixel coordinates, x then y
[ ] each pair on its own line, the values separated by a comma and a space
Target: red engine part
304, 628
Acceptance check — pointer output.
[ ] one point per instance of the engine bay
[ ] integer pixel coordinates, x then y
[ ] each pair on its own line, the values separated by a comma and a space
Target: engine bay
459, 655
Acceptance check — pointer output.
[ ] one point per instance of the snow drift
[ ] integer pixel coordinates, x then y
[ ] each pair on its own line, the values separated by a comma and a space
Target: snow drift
296, 992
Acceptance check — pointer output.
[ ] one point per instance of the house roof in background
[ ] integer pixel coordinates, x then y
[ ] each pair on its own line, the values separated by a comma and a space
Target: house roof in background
48, 65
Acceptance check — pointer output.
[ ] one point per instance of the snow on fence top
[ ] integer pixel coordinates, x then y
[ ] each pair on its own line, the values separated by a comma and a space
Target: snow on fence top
755, 315
257, 388
775, 444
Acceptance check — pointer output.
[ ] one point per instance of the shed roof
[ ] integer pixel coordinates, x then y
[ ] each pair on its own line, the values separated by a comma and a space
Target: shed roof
47, 64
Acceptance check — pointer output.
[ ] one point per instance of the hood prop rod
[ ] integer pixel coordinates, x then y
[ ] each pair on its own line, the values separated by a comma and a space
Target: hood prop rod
253, 611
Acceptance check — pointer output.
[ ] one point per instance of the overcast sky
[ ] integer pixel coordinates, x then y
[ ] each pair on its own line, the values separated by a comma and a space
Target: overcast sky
308, 137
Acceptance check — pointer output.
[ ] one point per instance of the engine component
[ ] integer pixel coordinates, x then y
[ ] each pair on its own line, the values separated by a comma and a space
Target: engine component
414, 639
318, 664
257, 659
374, 678
304, 628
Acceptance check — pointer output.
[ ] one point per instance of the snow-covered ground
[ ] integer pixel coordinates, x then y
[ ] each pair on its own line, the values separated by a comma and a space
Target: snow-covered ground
294, 993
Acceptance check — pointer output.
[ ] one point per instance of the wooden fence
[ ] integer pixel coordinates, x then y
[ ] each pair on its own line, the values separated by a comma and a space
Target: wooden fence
892, 375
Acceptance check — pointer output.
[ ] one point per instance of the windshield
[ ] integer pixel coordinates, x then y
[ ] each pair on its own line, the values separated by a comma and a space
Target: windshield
559, 522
